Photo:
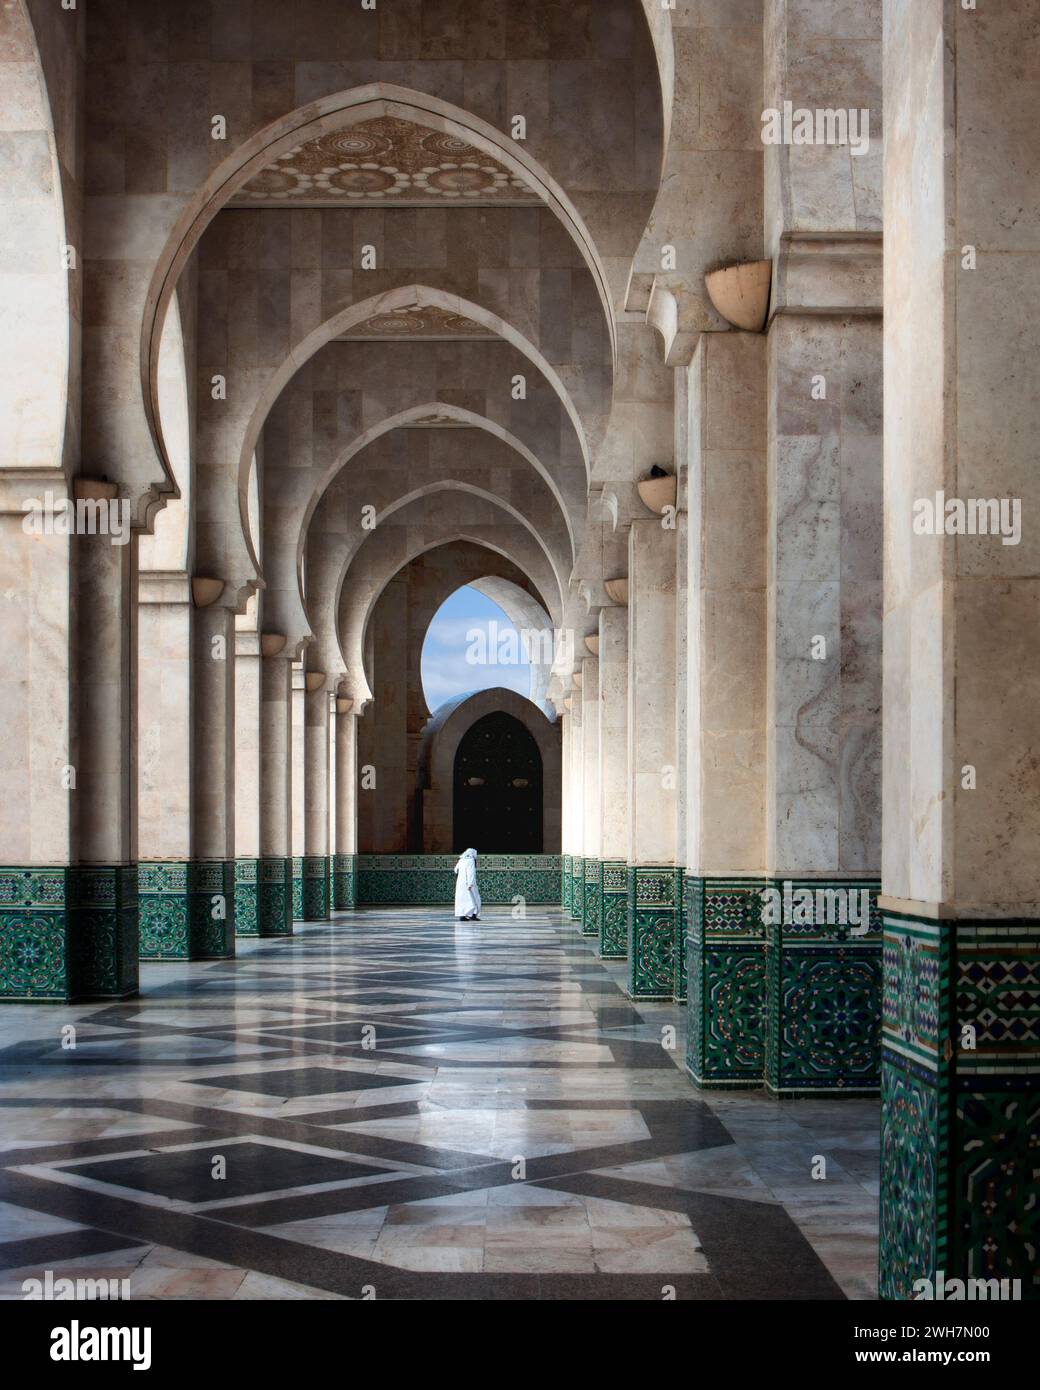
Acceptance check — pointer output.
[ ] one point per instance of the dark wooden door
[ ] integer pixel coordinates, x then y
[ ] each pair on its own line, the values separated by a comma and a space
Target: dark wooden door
498, 788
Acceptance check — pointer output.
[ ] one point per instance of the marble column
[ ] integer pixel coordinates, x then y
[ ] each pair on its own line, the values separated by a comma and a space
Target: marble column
164, 682
725, 473
613, 785
317, 898
299, 788
577, 802
102, 889
591, 904
566, 856
961, 882
654, 880
248, 681
211, 874
275, 886
344, 878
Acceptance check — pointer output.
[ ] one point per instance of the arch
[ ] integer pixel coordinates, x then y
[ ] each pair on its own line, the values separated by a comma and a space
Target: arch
440, 743
38, 384
351, 633
321, 117
405, 417
450, 485
527, 615
407, 297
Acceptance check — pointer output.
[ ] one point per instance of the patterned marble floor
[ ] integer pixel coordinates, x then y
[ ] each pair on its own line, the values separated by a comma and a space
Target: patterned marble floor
395, 1105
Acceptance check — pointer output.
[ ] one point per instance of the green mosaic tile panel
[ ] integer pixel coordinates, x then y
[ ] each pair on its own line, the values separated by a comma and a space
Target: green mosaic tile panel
297, 888
613, 921
960, 1099
274, 896
726, 974
654, 895
34, 957
344, 882
577, 888
187, 910
247, 900
592, 902
565, 886
428, 879
317, 888
823, 990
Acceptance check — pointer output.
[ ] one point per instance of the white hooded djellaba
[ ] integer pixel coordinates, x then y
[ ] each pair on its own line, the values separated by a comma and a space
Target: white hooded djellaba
467, 894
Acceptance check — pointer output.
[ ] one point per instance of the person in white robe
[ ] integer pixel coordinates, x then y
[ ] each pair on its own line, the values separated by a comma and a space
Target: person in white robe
467, 894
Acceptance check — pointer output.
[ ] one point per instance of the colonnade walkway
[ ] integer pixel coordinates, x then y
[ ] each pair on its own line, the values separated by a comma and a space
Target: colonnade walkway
395, 1105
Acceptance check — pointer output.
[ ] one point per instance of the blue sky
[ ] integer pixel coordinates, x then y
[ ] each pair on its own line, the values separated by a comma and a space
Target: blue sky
446, 672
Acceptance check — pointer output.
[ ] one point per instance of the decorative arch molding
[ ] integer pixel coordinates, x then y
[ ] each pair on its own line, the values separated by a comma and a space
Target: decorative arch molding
407, 417
440, 742
39, 387
309, 122
352, 632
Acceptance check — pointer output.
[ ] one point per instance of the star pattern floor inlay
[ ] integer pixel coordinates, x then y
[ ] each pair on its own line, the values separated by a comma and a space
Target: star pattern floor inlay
397, 1102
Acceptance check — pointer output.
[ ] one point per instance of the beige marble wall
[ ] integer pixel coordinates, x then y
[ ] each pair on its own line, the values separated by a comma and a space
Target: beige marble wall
37, 743
164, 703
961, 660
823, 56
726, 607
824, 612
613, 732
652, 754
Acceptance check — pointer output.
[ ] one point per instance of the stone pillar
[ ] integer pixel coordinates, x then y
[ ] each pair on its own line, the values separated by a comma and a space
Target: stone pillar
726, 645
165, 699
317, 898
961, 882
275, 889
613, 788
36, 754
211, 872
248, 680
590, 913
298, 788
102, 887
344, 878
654, 881
577, 801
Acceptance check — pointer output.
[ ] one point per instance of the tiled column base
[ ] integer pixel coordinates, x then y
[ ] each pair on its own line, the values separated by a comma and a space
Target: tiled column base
960, 1130
188, 910
654, 896
297, 888
577, 888
344, 882
317, 895
274, 896
613, 915
726, 971
247, 872
823, 990
679, 962
592, 903
565, 885
68, 934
